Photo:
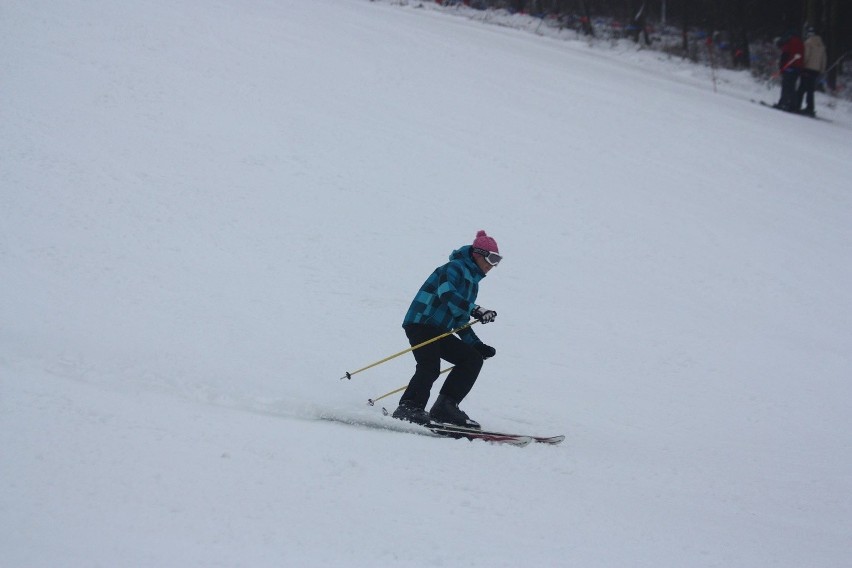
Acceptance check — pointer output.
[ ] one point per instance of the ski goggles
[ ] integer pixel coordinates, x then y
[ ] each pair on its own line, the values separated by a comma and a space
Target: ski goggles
491, 258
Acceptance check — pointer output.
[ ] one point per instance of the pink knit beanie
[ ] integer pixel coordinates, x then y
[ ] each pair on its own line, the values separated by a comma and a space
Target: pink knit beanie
483, 241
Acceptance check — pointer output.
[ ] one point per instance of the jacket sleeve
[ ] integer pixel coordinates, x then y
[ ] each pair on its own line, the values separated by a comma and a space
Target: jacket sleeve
448, 291
458, 303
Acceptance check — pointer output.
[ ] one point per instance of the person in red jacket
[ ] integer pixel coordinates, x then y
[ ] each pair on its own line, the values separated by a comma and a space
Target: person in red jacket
789, 66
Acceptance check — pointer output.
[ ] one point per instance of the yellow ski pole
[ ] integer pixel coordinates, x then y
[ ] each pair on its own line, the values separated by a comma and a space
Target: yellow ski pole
348, 375
373, 401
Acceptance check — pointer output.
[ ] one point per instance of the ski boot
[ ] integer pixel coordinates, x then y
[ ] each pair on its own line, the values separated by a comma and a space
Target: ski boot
447, 411
410, 412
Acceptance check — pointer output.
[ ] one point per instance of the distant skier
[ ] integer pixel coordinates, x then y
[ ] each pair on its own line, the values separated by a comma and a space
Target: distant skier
447, 301
813, 66
789, 66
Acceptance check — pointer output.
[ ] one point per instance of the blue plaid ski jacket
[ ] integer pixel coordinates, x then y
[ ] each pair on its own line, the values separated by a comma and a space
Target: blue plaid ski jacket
448, 296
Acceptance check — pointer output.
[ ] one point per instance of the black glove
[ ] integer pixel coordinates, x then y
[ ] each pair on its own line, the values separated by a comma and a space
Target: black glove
485, 350
483, 315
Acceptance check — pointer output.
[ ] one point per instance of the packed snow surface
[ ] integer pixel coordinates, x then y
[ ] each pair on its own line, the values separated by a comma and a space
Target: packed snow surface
210, 211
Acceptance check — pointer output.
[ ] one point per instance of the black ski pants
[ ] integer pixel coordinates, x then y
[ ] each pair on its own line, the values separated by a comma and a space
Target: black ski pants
807, 84
466, 359
789, 78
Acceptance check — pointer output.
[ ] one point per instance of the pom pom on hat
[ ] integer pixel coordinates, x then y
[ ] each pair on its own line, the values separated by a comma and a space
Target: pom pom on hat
483, 241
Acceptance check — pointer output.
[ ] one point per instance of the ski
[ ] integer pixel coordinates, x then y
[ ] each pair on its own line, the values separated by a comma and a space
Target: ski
443, 429
769, 105
449, 429
435, 430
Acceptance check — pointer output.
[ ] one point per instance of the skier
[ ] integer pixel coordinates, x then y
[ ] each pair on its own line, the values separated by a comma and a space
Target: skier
813, 66
789, 66
447, 301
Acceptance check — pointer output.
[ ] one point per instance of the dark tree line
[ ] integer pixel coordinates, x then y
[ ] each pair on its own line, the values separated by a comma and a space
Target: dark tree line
743, 21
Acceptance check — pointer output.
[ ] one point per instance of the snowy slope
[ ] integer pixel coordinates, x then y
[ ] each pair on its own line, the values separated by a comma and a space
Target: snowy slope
209, 211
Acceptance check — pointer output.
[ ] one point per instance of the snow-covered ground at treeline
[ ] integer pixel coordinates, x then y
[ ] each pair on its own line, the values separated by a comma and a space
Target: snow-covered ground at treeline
211, 210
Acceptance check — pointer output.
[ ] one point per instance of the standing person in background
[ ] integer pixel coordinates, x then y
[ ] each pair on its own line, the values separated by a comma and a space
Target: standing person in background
446, 302
789, 66
812, 67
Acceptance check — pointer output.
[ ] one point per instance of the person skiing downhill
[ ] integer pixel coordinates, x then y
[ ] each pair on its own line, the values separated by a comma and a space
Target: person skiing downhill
447, 301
